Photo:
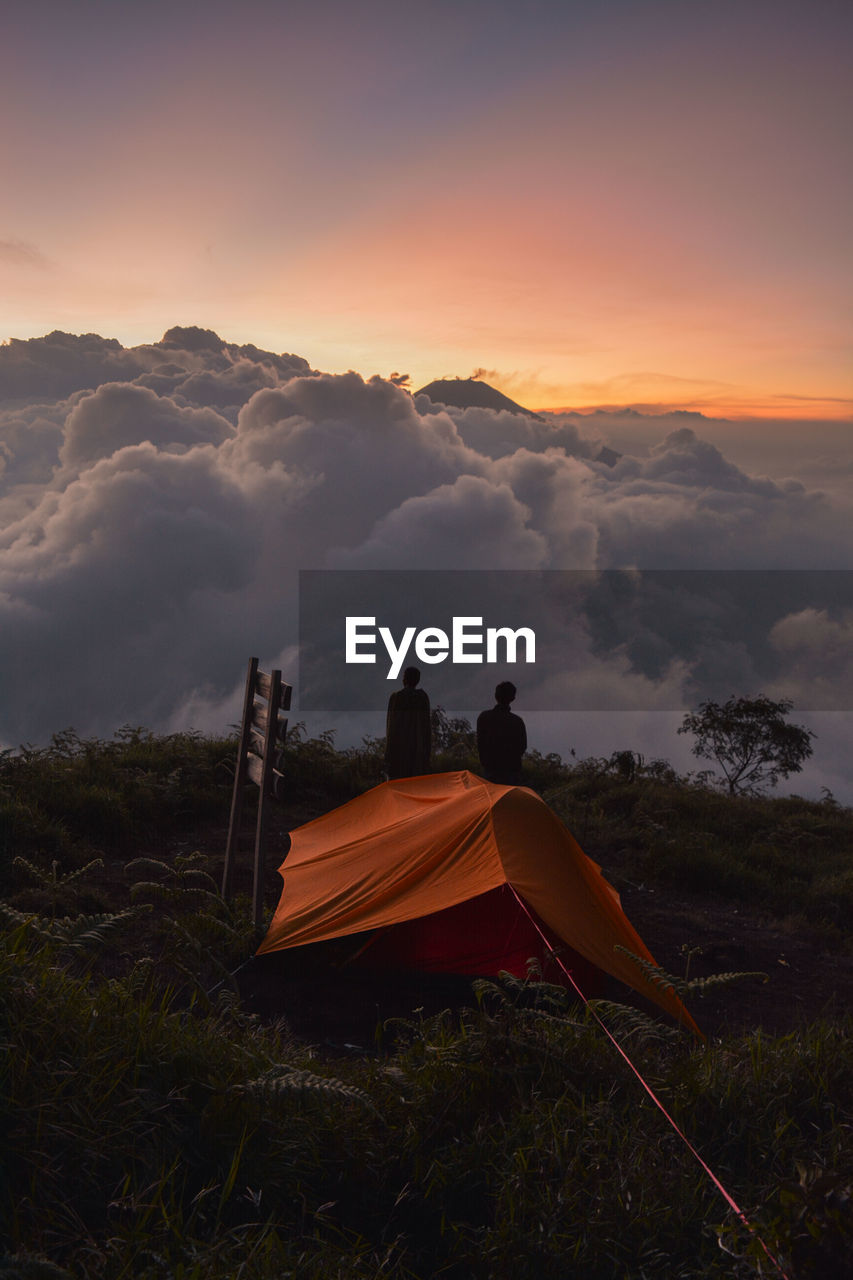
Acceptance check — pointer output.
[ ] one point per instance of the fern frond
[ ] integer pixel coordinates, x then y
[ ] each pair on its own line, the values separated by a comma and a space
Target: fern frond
30, 1266
80, 932
699, 986
294, 1080
550, 993
187, 859
200, 879
488, 987
38, 873
155, 864
14, 916
687, 986
153, 887
52, 879
178, 893
74, 932
625, 1022
537, 1016
654, 974
81, 871
228, 1003
511, 982
508, 990
138, 978
207, 929
185, 877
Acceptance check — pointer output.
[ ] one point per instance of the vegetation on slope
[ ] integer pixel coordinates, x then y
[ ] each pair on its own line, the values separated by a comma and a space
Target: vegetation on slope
153, 1128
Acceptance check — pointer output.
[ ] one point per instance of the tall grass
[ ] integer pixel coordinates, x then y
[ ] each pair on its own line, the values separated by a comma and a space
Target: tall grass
152, 1128
783, 854
77, 798
150, 1138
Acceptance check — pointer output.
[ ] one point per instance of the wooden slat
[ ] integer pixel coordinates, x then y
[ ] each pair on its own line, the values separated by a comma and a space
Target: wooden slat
263, 689
261, 718
255, 768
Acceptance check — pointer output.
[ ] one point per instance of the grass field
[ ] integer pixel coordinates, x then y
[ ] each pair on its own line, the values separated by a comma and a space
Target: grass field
156, 1128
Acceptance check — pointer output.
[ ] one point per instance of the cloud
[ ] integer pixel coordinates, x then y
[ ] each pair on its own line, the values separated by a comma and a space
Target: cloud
157, 503
107, 588
355, 451
497, 433
30, 441
61, 363
20, 253
553, 486
470, 524
818, 653
686, 505
120, 414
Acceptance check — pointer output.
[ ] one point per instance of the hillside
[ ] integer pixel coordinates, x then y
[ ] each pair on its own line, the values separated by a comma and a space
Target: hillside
739, 884
155, 1125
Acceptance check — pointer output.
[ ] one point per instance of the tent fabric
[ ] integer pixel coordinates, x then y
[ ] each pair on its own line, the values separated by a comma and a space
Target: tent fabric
481, 938
414, 847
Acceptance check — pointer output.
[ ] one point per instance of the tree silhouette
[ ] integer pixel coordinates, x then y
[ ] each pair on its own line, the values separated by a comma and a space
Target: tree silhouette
750, 740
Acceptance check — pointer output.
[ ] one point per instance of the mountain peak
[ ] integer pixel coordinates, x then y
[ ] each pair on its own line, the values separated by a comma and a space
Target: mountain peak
471, 393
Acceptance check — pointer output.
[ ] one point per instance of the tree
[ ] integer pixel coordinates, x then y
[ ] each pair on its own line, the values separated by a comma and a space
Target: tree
750, 740
453, 737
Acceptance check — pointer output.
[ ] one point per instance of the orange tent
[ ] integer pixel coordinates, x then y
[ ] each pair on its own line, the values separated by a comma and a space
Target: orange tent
429, 863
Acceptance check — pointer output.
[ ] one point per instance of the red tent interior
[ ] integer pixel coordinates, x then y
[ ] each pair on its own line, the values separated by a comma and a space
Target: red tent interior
481, 936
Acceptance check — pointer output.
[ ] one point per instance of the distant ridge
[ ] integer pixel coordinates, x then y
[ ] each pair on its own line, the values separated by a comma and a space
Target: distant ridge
470, 393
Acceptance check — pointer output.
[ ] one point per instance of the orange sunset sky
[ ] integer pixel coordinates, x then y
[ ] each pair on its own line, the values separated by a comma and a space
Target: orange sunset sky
619, 203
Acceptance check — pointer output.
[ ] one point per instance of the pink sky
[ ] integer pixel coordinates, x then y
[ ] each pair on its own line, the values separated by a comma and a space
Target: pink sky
613, 204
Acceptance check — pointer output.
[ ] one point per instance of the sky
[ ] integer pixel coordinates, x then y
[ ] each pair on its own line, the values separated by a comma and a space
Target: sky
620, 203
224, 227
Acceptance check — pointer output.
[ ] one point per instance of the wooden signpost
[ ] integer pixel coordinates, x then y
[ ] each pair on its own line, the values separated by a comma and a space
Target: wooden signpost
262, 735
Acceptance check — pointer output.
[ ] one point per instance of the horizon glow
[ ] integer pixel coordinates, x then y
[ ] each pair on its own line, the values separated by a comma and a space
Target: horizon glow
624, 207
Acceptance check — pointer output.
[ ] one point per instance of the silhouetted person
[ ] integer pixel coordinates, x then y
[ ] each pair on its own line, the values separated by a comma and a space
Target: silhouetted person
501, 739
407, 729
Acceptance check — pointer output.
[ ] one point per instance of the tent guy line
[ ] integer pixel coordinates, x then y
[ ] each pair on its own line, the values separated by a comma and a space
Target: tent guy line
429, 873
727, 1196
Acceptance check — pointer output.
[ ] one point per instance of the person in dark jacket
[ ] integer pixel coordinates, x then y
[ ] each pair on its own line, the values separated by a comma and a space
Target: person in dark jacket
408, 735
501, 739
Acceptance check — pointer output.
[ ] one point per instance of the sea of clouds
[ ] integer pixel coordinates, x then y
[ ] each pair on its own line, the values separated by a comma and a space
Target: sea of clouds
158, 502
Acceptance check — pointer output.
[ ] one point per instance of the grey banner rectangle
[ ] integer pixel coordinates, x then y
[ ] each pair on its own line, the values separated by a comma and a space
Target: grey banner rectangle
611, 640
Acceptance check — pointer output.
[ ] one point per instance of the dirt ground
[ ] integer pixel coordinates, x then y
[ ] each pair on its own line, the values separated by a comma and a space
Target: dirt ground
803, 980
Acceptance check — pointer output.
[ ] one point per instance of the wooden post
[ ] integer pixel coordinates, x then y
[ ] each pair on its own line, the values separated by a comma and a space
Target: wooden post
270, 736
239, 779
262, 735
